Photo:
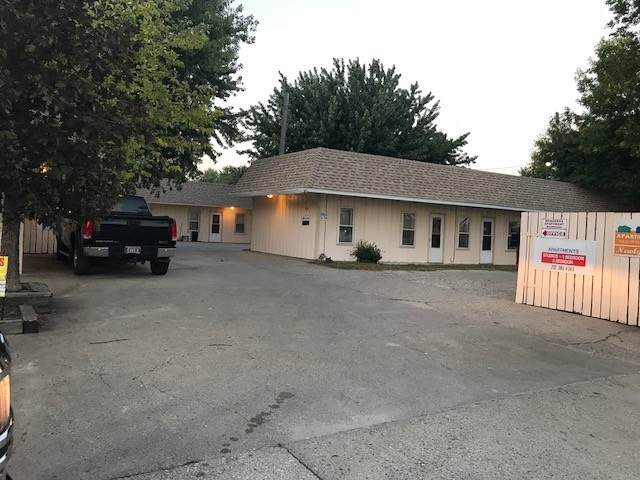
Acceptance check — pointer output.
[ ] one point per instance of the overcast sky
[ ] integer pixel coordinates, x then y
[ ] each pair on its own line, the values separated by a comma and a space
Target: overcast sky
500, 68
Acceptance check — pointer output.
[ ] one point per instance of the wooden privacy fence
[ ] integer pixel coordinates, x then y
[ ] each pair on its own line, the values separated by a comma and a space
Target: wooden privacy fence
587, 263
38, 239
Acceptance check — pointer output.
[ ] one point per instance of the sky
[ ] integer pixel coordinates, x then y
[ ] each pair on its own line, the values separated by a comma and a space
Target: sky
500, 68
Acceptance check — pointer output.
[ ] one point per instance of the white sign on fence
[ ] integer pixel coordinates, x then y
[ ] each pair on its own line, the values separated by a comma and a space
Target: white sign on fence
553, 228
570, 256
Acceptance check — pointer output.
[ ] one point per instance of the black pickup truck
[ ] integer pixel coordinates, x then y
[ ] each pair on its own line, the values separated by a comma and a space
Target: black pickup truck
128, 234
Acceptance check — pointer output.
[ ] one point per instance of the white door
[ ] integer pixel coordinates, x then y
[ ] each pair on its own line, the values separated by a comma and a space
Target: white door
486, 249
216, 228
435, 238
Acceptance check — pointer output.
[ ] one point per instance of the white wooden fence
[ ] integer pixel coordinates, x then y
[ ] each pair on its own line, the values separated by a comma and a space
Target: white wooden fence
608, 290
38, 239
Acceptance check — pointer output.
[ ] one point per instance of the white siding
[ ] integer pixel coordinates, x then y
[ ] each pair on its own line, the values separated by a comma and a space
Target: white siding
277, 228
277, 225
181, 215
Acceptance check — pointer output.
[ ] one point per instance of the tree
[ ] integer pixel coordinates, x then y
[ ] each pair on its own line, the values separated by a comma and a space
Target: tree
64, 121
600, 147
354, 107
187, 67
229, 174
101, 96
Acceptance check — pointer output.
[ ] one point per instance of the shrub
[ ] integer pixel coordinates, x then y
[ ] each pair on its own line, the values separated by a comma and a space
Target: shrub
366, 252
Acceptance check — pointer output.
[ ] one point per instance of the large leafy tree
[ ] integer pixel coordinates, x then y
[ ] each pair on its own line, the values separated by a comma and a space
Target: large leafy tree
354, 107
187, 68
100, 96
64, 120
600, 146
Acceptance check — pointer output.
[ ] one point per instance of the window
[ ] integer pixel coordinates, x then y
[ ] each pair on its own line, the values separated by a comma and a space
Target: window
240, 223
408, 229
513, 235
463, 233
194, 220
345, 229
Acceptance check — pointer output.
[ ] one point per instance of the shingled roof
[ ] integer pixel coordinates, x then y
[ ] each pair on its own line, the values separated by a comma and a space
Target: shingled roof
203, 194
322, 170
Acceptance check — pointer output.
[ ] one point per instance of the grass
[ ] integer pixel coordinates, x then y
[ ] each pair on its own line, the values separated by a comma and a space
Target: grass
419, 267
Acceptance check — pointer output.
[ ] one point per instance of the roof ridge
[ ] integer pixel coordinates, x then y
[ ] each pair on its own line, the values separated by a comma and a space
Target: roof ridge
316, 158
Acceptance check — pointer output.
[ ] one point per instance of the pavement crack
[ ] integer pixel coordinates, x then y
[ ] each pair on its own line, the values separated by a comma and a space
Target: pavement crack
170, 361
593, 342
109, 341
155, 470
101, 376
307, 467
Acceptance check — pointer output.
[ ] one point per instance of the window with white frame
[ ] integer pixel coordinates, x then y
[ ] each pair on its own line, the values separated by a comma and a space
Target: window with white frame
513, 235
463, 232
194, 220
408, 229
345, 228
240, 223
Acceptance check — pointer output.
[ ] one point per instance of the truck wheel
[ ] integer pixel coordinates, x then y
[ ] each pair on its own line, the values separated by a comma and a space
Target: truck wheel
159, 268
80, 262
60, 256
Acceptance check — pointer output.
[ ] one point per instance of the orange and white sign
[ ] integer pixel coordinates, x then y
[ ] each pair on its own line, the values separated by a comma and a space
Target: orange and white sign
4, 264
626, 240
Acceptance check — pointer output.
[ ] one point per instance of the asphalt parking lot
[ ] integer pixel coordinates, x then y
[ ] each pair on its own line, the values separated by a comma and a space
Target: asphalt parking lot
243, 365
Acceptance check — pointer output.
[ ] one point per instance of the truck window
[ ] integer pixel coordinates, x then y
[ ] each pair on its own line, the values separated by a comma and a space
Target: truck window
135, 205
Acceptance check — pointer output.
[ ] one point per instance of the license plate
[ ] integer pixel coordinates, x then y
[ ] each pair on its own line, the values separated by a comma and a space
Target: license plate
132, 250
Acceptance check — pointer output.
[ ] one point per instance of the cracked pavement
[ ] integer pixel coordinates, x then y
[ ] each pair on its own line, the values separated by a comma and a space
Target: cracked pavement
237, 365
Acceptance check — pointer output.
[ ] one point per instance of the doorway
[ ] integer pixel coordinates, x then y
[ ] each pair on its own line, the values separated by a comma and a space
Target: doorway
216, 228
435, 239
486, 249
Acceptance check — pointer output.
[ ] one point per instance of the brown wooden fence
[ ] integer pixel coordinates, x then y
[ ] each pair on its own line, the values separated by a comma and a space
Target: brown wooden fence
587, 263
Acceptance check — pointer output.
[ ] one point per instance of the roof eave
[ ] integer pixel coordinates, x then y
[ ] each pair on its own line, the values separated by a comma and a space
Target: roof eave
264, 193
417, 200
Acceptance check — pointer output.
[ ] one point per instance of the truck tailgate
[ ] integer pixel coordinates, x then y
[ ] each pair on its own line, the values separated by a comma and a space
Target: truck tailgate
131, 230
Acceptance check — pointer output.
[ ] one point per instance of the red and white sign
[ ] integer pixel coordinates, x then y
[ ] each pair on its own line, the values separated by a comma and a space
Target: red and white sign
554, 233
564, 259
553, 227
568, 256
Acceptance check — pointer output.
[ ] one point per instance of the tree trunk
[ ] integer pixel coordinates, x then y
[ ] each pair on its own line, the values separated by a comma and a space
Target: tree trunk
10, 245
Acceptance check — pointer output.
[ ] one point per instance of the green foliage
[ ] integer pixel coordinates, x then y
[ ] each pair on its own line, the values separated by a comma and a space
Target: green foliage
65, 116
601, 146
366, 252
187, 67
229, 174
354, 107
101, 96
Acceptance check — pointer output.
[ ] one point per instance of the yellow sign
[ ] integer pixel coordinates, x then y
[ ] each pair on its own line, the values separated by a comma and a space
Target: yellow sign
4, 263
626, 241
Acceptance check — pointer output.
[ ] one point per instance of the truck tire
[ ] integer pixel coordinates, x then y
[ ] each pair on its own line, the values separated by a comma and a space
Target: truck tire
60, 255
159, 267
80, 262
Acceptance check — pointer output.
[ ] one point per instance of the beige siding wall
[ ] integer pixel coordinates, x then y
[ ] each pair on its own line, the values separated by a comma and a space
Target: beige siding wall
228, 228
278, 229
